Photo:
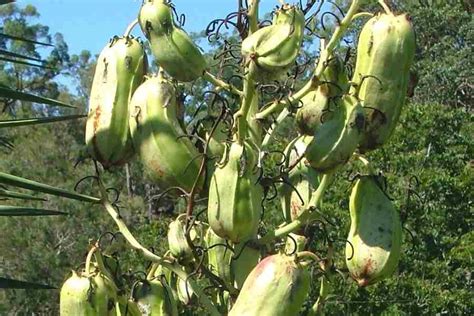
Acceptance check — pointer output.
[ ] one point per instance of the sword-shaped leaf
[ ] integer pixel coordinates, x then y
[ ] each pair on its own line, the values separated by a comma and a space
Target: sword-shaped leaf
16, 55
35, 121
24, 39
9, 210
19, 182
6, 92
17, 61
19, 196
6, 283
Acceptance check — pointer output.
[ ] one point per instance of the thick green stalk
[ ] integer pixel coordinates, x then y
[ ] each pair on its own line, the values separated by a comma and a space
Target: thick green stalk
305, 216
240, 117
253, 16
221, 84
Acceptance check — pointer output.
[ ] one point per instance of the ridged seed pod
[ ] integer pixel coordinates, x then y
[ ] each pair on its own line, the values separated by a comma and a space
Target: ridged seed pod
167, 156
337, 138
375, 236
234, 205
274, 48
120, 69
87, 295
385, 52
318, 101
173, 49
155, 298
277, 286
303, 179
219, 256
177, 242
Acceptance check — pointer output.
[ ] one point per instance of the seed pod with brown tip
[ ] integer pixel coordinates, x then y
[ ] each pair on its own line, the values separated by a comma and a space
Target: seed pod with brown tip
385, 52
120, 69
375, 236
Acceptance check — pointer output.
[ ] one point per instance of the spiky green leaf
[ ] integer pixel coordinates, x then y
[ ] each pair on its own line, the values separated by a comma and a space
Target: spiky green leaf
35, 121
19, 196
8, 210
17, 38
6, 92
19, 182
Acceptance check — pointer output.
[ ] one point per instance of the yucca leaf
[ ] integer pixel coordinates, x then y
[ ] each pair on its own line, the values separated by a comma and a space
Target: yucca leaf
16, 55
5, 142
6, 92
35, 121
24, 39
17, 61
6, 283
19, 182
8, 210
19, 196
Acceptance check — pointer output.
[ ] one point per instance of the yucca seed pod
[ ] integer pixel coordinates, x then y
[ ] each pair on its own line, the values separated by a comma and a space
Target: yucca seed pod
274, 48
168, 157
319, 100
303, 180
277, 286
87, 295
173, 49
337, 138
244, 260
120, 69
375, 236
234, 204
177, 242
385, 53
155, 298
219, 256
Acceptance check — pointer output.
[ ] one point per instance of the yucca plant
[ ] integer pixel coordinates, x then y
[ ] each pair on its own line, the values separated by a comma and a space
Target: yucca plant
135, 112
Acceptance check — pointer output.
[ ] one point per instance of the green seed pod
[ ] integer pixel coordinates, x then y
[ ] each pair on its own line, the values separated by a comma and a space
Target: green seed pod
385, 52
337, 138
167, 156
218, 256
120, 69
185, 291
244, 260
277, 286
172, 47
274, 48
234, 205
83, 295
177, 242
155, 298
375, 235
303, 179
319, 100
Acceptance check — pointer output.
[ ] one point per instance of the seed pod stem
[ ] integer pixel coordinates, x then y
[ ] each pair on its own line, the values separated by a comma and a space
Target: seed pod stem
130, 28
305, 216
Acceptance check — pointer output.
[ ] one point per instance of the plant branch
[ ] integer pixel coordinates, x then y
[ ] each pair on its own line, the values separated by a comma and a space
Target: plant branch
221, 84
305, 216
253, 16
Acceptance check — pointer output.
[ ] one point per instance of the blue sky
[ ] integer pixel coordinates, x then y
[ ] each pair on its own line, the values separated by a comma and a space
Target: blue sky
89, 24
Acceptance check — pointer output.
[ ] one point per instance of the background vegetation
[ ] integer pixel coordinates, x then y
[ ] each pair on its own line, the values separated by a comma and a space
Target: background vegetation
428, 163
